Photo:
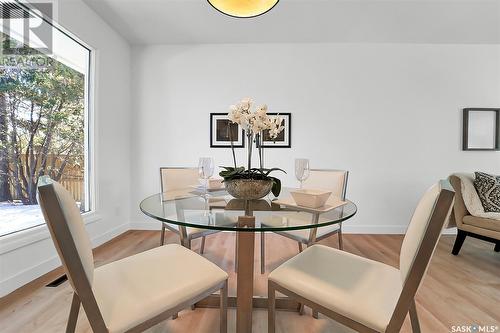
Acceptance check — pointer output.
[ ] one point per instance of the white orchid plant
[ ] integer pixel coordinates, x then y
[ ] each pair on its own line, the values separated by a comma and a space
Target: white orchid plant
254, 122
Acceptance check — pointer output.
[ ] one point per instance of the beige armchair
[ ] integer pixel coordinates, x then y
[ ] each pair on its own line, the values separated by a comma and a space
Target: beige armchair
468, 225
366, 295
132, 294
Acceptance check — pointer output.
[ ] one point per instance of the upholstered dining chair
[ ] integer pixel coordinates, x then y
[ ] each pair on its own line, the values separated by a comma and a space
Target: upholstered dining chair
324, 179
366, 295
182, 179
131, 294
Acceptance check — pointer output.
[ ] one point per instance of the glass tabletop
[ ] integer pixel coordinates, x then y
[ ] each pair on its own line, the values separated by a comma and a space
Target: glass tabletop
219, 211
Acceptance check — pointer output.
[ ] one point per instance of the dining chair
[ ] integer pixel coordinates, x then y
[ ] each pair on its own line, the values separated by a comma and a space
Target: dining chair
181, 179
131, 294
366, 295
323, 179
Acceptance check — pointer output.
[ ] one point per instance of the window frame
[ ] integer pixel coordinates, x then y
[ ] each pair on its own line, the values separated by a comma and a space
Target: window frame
39, 232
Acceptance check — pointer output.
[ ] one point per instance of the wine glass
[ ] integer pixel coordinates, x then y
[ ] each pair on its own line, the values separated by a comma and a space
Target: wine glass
301, 169
206, 168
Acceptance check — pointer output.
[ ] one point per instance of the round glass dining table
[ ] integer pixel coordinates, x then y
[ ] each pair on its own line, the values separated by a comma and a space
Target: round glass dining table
217, 210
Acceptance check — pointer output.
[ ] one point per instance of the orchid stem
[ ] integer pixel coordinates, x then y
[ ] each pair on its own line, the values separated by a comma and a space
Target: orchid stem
250, 142
260, 148
232, 145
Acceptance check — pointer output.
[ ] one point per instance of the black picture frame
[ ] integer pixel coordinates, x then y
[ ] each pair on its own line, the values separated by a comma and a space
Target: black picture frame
287, 133
468, 136
224, 142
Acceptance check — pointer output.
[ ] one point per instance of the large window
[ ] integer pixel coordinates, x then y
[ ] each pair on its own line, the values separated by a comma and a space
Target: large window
44, 117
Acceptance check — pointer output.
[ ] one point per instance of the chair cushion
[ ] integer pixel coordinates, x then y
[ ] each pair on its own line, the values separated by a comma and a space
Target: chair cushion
358, 288
482, 222
135, 289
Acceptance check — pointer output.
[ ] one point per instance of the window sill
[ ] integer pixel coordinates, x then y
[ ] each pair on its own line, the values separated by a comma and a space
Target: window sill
23, 238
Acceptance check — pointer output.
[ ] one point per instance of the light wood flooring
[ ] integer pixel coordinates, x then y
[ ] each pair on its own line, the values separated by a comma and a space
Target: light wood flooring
460, 290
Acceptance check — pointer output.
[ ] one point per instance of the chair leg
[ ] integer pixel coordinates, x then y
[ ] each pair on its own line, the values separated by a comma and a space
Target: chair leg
162, 236
301, 309
497, 247
223, 309
459, 242
202, 247
415, 325
271, 308
315, 314
341, 242
262, 252
73, 314
300, 246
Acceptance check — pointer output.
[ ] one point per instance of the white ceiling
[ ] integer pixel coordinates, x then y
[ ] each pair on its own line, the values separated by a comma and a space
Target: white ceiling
306, 21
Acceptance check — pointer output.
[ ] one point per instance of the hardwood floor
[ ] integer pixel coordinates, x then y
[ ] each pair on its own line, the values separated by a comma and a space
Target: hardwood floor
460, 290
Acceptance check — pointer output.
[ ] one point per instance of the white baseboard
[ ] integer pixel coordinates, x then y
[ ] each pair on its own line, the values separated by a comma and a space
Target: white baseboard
153, 225
110, 234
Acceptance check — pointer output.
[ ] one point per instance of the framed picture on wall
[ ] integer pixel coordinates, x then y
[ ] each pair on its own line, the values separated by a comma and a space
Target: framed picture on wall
481, 129
284, 139
222, 130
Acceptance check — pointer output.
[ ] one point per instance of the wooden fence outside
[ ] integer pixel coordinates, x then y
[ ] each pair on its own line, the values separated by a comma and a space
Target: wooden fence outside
72, 179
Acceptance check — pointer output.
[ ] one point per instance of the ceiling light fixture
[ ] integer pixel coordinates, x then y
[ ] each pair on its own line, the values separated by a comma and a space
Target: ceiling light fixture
243, 8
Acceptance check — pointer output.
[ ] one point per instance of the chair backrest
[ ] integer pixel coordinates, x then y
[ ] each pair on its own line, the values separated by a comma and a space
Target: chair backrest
178, 178
419, 243
72, 243
331, 180
66, 227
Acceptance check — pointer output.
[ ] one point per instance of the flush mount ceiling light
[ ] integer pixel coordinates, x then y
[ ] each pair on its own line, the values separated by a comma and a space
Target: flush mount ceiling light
243, 8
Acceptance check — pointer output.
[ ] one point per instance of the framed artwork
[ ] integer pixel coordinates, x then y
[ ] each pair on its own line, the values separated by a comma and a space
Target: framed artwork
481, 129
221, 131
284, 139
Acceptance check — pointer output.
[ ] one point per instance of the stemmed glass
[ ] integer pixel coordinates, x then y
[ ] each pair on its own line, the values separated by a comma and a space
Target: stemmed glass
206, 168
301, 169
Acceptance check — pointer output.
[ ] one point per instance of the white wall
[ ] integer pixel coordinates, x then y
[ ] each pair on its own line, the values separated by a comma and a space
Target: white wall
389, 113
20, 262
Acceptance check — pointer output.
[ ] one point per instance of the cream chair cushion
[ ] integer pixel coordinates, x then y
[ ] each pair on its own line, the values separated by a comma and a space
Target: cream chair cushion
480, 222
135, 289
75, 224
361, 289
